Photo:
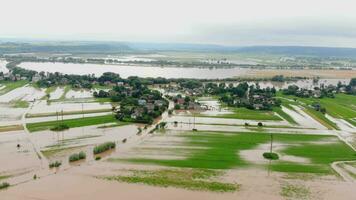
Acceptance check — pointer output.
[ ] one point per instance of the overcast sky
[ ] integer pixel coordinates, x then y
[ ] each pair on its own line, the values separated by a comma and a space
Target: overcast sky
228, 22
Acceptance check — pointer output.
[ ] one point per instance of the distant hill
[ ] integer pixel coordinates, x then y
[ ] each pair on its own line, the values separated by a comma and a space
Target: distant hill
140, 47
63, 47
299, 51
278, 50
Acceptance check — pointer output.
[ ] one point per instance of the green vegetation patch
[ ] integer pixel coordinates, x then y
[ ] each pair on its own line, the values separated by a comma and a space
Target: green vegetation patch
284, 115
60, 127
11, 85
71, 123
244, 113
55, 164
191, 179
320, 117
104, 147
294, 191
29, 115
270, 156
77, 156
20, 104
218, 150
4, 185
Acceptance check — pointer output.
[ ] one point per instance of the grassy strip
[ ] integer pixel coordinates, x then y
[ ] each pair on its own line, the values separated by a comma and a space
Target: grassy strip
19, 104
187, 179
293, 191
318, 116
71, 123
11, 85
60, 151
284, 115
4, 185
67, 88
67, 113
11, 128
244, 113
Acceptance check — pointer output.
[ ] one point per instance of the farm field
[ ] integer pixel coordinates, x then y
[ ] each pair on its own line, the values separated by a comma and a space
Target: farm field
72, 123
220, 150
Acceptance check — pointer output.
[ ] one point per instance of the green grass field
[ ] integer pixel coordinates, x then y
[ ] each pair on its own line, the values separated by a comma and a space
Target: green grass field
221, 151
68, 113
244, 113
20, 104
72, 123
284, 115
11, 85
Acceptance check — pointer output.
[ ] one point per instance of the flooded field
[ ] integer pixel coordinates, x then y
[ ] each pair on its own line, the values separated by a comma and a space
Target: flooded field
3, 67
26, 93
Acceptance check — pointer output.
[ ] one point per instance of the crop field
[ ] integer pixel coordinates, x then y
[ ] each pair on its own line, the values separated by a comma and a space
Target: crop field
219, 150
11, 85
72, 123
244, 113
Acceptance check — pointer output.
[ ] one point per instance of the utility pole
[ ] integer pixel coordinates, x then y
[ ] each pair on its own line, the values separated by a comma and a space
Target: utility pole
62, 116
271, 143
83, 109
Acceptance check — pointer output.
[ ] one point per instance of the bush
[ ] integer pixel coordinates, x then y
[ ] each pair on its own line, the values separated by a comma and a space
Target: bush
97, 158
270, 156
4, 185
104, 147
55, 164
260, 124
77, 156
60, 127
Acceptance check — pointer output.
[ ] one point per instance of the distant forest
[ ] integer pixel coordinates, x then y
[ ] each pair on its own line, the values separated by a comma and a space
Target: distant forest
8, 47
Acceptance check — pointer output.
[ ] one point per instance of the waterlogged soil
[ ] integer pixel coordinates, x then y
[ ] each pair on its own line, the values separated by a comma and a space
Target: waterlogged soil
44, 107
10, 115
25, 93
15, 159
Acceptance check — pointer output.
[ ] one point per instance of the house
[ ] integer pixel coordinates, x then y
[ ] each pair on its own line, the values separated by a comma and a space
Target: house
317, 93
159, 103
142, 102
180, 101
150, 107
36, 78
120, 83
257, 106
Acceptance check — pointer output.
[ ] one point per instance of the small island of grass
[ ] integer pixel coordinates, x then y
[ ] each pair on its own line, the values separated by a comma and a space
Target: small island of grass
270, 156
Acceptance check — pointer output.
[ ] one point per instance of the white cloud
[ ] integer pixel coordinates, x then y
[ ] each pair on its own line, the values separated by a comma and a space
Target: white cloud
201, 21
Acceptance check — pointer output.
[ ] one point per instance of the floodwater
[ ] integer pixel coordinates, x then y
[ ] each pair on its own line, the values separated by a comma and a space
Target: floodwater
177, 72
25, 93
131, 70
3, 66
56, 94
43, 107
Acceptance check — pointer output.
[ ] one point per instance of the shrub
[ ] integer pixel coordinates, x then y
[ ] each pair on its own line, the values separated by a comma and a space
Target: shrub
124, 140
4, 185
270, 156
104, 147
60, 127
97, 158
55, 164
260, 124
77, 156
